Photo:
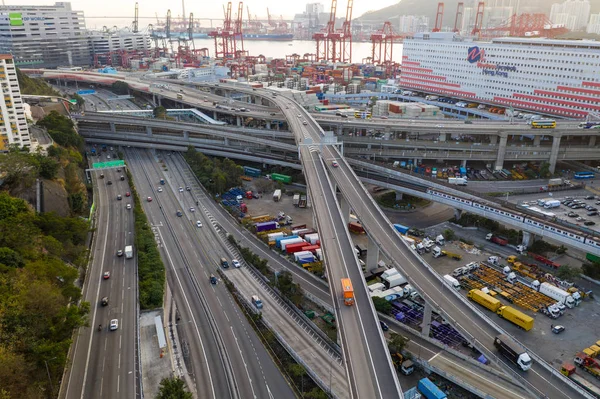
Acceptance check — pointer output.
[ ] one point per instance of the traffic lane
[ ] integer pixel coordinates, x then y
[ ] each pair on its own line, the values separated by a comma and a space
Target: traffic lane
433, 290
367, 322
208, 255
360, 380
245, 238
204, 360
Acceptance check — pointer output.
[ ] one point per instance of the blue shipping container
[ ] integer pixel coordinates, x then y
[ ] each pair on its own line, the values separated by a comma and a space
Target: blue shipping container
279, 239
401, 229
265, 226
463, 171
430, 390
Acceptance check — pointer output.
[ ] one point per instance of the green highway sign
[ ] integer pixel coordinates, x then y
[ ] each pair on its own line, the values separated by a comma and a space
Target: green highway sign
110, 164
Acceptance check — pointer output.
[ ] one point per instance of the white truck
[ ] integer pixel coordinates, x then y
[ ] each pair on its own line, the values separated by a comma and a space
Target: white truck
129, 251
277, 195
395, 281
555, 182
431, 98
560, 295
459, 181
451, 281
440, 240
552, 204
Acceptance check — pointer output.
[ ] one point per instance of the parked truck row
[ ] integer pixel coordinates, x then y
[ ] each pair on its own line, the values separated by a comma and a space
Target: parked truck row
511, 314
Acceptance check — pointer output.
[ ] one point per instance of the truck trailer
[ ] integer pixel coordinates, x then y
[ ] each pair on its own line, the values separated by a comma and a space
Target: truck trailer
401, 229
513, 351
484, 300
560, 295
516, 317
348, 292
394, 280
459, 181
452, 282
496, 239
356, 228
129, 251
430, 390
277, 195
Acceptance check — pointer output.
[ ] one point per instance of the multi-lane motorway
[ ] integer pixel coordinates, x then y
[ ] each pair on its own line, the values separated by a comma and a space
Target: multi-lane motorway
227, 358
105, 362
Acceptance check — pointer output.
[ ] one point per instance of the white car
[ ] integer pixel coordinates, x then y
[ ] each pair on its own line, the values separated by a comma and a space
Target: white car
128, 206
192, 209
180, 189
114, 324
198, 223
236, 263
159, 189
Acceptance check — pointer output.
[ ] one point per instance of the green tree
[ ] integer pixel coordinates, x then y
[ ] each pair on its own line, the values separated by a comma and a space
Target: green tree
288, 288
397, 342
160, 112
120, 88
449, 235
10, 207
381, 305
591, 270
566, 272
545, 170
173, 388
48, 167
316, 393
11, 258
62, 130
79, 99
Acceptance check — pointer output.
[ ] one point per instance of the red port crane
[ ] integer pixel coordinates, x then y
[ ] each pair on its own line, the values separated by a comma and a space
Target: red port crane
346, 35
439, 16
383, 47
478, 19
326, 48
459, 16
225, 37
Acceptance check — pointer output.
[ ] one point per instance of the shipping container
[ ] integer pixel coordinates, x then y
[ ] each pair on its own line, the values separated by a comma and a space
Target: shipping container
266, 226
279, 239
401, 229
285, 243
311, 248
312, 238
356, 228
254, 172
484, 299
516, 317
273, 236
430, 390
300, 254
293, 248
282, 178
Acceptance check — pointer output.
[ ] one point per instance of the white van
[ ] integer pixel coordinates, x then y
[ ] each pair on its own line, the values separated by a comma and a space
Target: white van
452, 282
257, 302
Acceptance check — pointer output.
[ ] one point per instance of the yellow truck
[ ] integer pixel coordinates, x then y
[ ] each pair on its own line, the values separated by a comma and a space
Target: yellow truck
484, 299
516, 317
348, 292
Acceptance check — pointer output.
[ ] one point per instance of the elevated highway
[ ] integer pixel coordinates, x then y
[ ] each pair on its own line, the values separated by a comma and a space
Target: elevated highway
243, 144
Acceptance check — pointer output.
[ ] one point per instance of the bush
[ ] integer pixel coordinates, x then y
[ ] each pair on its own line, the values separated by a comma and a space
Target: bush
591, 270
449, 235
381, 305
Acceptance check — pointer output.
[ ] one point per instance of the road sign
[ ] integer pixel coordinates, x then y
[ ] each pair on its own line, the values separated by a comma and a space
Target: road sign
110, 164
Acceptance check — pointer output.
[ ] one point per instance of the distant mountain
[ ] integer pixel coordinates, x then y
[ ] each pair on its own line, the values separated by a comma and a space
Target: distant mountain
428, 8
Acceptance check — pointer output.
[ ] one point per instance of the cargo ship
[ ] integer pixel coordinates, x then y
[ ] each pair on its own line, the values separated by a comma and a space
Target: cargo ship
278, 37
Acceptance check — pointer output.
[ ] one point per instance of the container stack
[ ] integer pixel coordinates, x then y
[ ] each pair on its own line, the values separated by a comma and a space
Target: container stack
396, 109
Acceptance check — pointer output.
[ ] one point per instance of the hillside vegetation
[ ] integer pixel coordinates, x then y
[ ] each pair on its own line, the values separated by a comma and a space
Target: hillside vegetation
34, 86
39, 307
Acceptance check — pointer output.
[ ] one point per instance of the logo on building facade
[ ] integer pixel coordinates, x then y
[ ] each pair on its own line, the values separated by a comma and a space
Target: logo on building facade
475, 54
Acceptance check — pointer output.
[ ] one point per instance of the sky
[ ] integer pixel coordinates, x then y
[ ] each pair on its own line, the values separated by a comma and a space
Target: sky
207, 9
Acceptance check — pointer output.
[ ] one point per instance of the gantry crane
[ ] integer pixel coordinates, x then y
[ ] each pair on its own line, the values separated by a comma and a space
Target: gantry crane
383, 47
439, 16
325, 50
459, 16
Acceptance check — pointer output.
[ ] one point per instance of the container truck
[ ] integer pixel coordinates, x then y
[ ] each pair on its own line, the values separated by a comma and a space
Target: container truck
401, 229
266, 226
282, 178
296, 199
516, 317
129, 251
356, 228
484, 300
394, 281
279, 239
452, 282
569, 370
496, 239
312, 238
304, 257
555, 182
274, 236
277, 195
348, 292
430, 390
558, 294
438, 252
459, 181
293, 248
513, 351
302, 203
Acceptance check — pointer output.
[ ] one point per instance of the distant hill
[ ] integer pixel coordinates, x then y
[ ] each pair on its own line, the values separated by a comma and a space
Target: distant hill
428, 8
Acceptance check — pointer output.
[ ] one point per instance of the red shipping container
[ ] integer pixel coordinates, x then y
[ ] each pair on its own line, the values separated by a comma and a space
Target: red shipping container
310, 231
311, 248
293, 248
325, 102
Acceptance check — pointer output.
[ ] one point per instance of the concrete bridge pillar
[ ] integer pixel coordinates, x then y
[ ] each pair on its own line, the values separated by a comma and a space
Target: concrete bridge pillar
159, 101
186, 134
369, 146
113, 128
536, 140
457, 213
426, 326
226, 141
340, 130
399, 196
501, 151
214, 115
372, 254
528, 238
268, 125
238, 121
493, 139
442, 137
554, 151
148, 131
345, 208
463, 163
592, 141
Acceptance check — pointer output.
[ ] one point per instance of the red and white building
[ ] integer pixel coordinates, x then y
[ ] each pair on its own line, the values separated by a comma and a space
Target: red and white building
560, 77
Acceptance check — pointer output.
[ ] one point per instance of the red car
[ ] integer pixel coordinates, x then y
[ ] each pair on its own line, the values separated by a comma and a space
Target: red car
106, 275
149, 199
128, 194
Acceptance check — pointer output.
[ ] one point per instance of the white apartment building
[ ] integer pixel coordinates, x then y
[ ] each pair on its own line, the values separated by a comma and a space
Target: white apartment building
594, 24
13, 124
413, 23
44, 36
574, 14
